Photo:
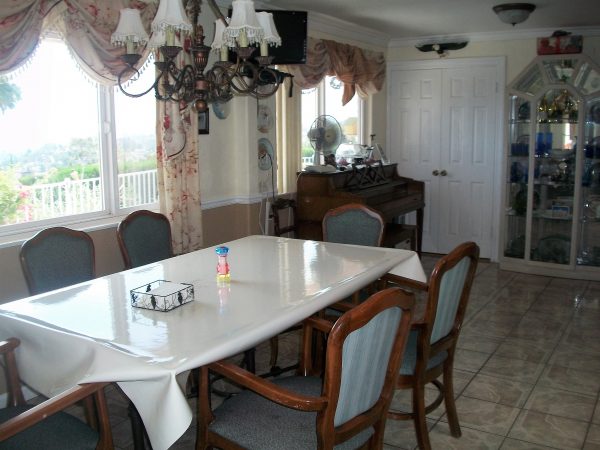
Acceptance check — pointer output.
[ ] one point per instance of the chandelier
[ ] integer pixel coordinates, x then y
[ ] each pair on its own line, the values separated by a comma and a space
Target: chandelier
192, 84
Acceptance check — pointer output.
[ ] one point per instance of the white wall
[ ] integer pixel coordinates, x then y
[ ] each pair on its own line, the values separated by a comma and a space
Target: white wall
518, 52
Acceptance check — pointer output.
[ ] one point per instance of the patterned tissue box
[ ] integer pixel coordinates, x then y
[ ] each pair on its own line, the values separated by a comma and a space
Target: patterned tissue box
162, 295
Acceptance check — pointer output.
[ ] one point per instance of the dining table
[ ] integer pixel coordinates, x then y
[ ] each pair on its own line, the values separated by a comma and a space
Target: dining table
90, 332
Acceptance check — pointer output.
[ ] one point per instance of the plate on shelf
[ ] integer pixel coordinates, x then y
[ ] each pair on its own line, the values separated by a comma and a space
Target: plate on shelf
266, 155
561, 154
264, 119
221, 110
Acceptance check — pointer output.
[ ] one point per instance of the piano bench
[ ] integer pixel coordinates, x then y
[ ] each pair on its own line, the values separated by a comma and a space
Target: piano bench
395, 233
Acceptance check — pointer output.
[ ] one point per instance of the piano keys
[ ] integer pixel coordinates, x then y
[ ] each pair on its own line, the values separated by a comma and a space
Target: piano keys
378, 186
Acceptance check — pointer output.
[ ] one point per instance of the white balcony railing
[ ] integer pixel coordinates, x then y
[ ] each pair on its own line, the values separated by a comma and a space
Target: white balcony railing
137, 188
44, 201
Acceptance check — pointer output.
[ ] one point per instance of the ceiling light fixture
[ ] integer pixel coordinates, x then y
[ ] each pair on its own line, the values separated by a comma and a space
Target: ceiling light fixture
171, 30
514, 13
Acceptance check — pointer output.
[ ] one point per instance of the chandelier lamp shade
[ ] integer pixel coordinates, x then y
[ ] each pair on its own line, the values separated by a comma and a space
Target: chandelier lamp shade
191, 82
514, 13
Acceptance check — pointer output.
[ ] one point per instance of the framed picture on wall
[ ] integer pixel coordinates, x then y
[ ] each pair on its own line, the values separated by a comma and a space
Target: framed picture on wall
203, 122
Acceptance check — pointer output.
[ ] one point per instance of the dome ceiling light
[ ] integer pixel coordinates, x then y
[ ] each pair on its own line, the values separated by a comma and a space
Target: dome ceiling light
514, 13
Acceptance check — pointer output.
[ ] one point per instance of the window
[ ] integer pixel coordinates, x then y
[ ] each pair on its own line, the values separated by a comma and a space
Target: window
71, 149
327, 99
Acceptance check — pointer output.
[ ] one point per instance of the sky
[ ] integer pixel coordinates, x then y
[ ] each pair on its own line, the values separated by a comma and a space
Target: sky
61, 104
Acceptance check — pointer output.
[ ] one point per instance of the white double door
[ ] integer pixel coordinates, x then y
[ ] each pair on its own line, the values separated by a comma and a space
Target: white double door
444, 128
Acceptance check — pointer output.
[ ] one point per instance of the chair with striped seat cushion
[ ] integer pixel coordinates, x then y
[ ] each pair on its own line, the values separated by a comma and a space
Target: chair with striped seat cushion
345, 410
57, 257
432, 341
46, 426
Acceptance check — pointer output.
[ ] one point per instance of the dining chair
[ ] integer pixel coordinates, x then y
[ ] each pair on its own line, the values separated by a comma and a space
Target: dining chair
353, 223
279, 206
345, 409
57, 257
46, 425
432, 342
144, 237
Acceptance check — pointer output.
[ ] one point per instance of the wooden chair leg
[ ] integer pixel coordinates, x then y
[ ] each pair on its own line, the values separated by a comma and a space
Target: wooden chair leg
449, 398
274, 343
89, 409
106, 441
419, 416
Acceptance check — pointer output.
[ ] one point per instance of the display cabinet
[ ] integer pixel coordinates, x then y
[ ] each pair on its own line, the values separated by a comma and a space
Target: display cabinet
551, 221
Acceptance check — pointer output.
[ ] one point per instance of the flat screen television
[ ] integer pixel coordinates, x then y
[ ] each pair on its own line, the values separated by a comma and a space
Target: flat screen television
292, 27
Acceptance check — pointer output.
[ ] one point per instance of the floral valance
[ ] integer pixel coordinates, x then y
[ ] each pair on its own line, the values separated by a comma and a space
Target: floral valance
86, 26
360, 70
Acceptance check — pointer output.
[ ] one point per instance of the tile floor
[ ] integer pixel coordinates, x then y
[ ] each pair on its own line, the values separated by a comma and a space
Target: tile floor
527, 372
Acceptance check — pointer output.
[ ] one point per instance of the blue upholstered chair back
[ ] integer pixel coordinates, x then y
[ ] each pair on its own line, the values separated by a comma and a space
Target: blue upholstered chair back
57, 257
358, 226
144, 238
451, 289
365, 358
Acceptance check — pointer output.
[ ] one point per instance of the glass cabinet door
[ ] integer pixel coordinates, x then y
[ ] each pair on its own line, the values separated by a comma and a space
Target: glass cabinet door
554, 176
517, 176
588, 253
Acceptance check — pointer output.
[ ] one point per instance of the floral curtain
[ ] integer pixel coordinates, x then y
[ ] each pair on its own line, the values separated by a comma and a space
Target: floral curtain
87, 26
20, 27
178, 178
360, 70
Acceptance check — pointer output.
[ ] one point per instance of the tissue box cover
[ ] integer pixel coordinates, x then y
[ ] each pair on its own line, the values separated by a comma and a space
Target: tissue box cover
162, 295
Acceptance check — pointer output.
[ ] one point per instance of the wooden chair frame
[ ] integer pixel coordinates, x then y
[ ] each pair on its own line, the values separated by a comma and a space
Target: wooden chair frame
282, 204
425, 351
41, 237
94, 392
127, 221
325, 405
340, 210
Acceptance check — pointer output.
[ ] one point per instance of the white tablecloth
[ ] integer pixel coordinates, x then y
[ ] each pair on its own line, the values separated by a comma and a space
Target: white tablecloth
89, 332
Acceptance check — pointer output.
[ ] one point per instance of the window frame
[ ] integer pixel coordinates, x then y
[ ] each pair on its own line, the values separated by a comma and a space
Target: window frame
110, 213
362, 108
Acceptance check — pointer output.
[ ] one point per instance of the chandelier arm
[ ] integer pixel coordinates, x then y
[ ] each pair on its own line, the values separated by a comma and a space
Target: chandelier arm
219, 84
129, 94
241, 75
183, 78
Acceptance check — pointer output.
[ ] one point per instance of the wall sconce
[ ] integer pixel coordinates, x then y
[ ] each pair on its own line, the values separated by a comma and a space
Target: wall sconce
442, 47
514, 13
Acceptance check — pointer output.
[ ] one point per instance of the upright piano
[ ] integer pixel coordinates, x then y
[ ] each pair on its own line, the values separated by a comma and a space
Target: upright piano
377, 186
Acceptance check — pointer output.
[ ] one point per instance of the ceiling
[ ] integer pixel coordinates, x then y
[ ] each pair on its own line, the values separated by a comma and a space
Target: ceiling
401, 19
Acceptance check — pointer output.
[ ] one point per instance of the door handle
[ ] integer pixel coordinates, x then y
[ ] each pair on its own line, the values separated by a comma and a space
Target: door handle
443, 173
435, 173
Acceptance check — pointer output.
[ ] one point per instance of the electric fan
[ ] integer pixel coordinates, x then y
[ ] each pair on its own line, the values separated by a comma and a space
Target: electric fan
325, 136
